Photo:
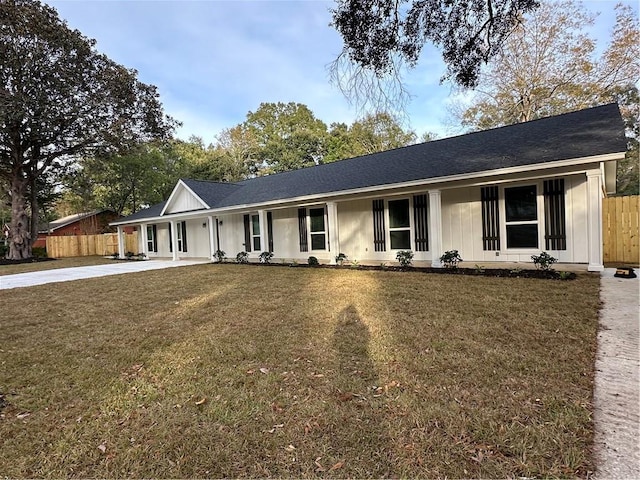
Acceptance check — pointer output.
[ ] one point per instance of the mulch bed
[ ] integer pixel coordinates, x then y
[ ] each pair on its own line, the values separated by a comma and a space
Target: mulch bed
482, 272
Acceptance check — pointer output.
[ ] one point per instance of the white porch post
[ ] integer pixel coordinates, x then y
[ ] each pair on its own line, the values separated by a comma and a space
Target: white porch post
212, 235
594, 220
121, 251
174, 240
435, 227
264, 238
334, 237
145, 239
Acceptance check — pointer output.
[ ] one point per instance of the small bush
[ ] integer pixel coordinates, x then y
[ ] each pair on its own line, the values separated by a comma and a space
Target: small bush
219, 256
405, 258
355, 263
451, 258
340, 258
543, 261
265, 257
565, 275
129, 255
242, 257
115, 255
313, 261
39, 252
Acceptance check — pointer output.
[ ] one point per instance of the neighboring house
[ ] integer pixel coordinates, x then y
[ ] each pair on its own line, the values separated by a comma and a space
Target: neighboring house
496, 195
88, 223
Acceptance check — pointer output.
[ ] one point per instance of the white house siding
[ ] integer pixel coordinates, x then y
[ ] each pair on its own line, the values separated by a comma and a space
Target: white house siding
183, 201
231, 232
462, 224
197, 239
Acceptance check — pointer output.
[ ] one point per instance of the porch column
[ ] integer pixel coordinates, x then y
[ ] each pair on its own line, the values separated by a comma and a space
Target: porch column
145, 240
212, 236
594, 220
435, 227
174, 239
334, 237
264, 237
121, 251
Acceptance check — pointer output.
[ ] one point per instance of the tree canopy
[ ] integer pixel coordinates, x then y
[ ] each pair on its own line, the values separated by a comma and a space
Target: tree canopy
59, 99
382, 36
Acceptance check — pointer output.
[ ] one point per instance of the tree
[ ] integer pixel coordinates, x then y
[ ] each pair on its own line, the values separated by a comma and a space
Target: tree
382, 36
549, 66
60, 99
288, 136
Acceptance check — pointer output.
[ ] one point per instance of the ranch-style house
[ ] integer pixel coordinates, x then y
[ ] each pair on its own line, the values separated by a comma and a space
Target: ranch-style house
497, 195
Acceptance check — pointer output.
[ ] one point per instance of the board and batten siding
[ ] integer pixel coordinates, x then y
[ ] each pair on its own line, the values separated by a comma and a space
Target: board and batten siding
462, 224
184, 201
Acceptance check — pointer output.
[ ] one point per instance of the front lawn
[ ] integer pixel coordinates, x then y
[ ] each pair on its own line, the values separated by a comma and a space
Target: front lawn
242, 371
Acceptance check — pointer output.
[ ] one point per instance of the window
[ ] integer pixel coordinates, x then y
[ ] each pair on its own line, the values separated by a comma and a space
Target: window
255, 232
152, 245
181, 235
521, 216
312, 226
318, 230
399, 233
399, 225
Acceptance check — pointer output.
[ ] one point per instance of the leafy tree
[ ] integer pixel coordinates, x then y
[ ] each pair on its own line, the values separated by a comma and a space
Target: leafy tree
59, 99
382, 36
549, 66
288, 136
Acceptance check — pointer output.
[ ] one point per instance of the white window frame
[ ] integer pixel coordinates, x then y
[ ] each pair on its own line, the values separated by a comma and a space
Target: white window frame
255, 235
539, 217
399, 229
179, 236
324, 232
150, 239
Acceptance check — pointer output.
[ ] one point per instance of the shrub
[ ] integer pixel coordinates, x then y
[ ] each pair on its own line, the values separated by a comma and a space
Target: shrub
543, 261
129, 255
341, 258
265, 257
4, 249
39, 252
242, 257
219, 256
451, 258
405, 258
115, 255
313, 261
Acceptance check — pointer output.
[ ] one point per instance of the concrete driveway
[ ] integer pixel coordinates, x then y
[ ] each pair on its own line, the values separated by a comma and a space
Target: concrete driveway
617, 391
79, 273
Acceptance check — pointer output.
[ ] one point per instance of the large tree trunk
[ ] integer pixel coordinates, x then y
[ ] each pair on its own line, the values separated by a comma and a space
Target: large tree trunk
20, 236
35, 208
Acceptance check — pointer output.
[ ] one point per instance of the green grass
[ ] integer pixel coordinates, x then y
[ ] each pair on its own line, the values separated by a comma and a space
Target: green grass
53, 264
245, 371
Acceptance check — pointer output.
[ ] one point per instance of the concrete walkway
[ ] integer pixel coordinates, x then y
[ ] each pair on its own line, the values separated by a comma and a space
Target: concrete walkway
79, 273
617, 391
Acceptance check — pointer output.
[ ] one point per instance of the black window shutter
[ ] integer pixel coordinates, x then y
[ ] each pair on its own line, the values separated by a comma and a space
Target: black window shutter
421, 223
379, 243
184, 236
155, 238
218, 234
302, 229
490, 218
247, 233
170, 238
270, 231
554, 215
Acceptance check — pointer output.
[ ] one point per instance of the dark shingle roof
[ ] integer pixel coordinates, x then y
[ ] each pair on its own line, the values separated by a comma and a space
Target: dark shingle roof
585, 133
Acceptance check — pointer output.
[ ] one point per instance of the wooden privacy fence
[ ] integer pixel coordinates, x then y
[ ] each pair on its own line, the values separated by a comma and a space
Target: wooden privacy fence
620, 229
85, 245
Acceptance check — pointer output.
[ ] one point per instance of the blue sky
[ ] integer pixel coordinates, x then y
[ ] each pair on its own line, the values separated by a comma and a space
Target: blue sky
214, 61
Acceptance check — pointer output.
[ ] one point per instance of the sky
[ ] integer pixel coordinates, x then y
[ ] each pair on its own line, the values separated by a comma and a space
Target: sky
214, 61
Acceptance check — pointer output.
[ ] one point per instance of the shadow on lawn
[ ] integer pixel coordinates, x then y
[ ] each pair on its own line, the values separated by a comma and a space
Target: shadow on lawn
362, 430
